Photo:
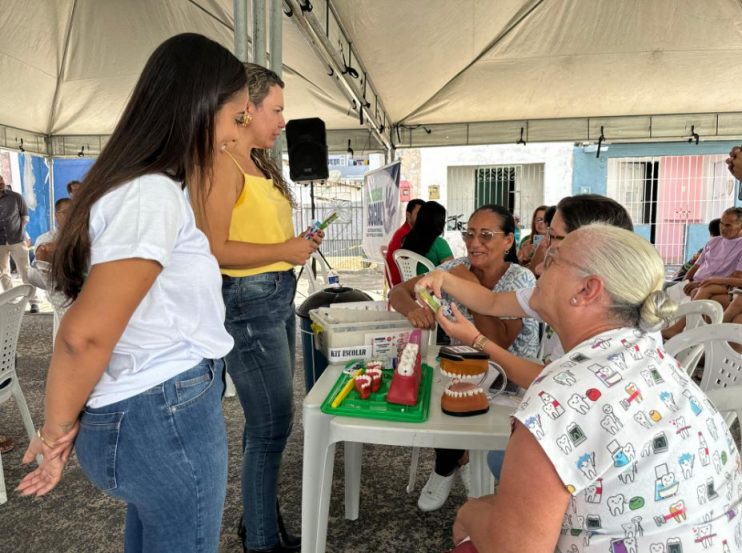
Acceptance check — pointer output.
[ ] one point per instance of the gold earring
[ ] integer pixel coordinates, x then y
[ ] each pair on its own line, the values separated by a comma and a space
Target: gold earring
246, 120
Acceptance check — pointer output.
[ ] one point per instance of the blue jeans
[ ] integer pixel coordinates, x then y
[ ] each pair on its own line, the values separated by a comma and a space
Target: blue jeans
260, 318
164, 452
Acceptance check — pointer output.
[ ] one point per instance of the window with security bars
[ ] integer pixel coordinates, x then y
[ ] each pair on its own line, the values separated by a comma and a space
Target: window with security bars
519, 188
671, 197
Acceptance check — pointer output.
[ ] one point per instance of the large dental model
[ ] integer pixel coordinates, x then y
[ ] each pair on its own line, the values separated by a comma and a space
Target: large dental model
408, 374
467, 367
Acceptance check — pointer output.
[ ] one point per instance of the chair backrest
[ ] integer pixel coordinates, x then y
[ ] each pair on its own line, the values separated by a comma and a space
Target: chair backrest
316, 280
694, 313
728, 401
12, 306
722, 365
407, 261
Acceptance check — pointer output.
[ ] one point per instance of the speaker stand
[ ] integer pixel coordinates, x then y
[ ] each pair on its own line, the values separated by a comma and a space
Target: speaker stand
314, 217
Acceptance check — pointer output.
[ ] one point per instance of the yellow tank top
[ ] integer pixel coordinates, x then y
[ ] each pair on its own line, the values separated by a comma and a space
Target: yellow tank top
261, 215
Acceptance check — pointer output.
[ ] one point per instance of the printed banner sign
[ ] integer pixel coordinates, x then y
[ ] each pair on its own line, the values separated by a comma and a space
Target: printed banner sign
381, 208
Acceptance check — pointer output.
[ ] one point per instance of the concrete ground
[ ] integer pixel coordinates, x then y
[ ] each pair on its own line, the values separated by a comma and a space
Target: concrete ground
77, 518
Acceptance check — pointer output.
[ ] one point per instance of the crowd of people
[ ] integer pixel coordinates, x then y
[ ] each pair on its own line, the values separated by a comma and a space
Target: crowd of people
613, 448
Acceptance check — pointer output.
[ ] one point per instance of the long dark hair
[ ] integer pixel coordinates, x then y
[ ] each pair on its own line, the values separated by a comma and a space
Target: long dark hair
429, 225
507, 225
260, 80
166, 128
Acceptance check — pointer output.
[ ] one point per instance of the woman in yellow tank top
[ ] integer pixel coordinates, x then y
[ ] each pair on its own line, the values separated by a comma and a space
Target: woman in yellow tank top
250, 228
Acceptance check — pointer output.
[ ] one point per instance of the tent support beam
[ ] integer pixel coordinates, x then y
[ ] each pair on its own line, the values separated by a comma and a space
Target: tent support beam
258, 32
241, 37
375, 119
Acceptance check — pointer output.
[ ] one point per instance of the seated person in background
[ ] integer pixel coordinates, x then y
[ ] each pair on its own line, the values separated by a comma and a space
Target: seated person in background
713, 231
718, 266
612, 442
61, 207
527, 246
425, 237
722, 255
535, 264
490, 263
413, 206
39, 273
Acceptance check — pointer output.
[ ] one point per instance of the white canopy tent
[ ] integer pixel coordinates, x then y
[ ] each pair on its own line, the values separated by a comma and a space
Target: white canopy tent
437, 72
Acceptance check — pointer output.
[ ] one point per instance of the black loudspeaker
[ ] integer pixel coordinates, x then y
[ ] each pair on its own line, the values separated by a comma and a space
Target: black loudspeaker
307, 144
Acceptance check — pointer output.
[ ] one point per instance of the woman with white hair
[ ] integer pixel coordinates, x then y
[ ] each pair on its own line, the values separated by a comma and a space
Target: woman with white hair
613, 447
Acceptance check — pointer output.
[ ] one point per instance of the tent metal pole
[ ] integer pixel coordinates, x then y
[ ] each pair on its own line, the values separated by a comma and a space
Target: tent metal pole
258, 31
276, 53
241, 45
316, 34
276, 37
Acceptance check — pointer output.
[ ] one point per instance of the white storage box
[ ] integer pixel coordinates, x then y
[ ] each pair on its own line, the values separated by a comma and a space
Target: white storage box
345, 334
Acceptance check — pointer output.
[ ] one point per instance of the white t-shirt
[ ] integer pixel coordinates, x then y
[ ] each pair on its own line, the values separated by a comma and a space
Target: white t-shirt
551, 347
648, 459
181, 319
48, 236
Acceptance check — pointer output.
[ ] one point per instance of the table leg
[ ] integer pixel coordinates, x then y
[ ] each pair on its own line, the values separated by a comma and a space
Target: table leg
319, 458
482, 480
353, 453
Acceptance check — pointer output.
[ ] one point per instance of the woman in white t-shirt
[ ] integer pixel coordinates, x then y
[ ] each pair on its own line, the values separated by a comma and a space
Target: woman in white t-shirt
137, 365
614, 448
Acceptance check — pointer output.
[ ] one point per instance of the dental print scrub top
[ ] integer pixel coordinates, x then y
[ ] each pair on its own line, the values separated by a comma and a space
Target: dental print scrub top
649, 461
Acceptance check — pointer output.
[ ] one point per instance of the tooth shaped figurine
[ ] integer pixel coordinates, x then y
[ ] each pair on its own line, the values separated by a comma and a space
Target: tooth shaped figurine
408, 375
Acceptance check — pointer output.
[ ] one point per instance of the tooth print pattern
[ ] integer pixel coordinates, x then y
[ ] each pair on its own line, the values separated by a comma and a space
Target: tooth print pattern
650, 463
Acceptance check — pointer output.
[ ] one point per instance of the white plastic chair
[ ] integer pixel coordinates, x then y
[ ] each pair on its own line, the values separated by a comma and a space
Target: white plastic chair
694, 313
727, 400
12, 306
407, 261
322, 269
722, 366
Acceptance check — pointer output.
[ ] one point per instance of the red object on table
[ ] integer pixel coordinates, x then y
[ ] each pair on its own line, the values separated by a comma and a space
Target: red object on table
404, 389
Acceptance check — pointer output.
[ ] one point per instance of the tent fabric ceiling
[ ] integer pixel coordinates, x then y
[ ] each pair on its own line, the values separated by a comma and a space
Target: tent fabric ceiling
464, 68
68, 66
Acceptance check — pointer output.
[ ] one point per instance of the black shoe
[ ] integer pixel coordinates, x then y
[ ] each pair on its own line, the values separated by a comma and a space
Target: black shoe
277, 549
288, 541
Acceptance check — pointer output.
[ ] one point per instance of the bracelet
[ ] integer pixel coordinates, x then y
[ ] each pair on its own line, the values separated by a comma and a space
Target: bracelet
43, 440
479, 342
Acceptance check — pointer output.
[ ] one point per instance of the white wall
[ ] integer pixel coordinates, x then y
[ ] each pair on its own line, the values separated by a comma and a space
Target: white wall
556, 157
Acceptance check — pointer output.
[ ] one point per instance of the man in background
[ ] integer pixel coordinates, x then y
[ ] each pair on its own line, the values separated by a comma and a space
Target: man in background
413, 206
13, 220
72, 187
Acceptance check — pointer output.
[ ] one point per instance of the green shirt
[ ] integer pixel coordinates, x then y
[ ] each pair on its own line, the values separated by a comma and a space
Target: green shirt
439, 251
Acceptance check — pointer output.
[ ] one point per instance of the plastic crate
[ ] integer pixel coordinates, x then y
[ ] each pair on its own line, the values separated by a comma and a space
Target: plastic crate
345, 334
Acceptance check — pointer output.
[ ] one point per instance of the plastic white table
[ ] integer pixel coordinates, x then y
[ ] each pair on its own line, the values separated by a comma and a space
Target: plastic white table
478, 434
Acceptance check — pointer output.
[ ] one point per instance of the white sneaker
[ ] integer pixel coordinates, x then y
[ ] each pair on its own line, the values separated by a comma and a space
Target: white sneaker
435, 492
465, 474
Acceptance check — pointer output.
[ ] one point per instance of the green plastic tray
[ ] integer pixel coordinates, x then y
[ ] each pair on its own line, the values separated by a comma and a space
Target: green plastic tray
376, 407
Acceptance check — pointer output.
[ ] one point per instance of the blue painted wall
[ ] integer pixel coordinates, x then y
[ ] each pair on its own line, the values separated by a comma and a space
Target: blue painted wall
590, 172
38, 215
66, 170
